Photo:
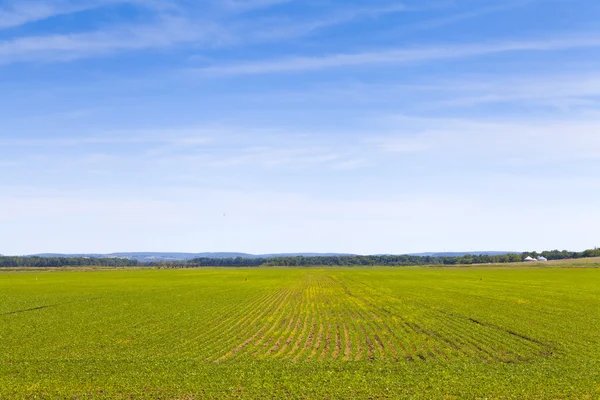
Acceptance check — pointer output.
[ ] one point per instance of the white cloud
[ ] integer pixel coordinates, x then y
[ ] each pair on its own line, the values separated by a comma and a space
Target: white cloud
167, 31
273, 29
170, 137
400, 56
16, 13
466, 15
247, 5
23, 12
577, 89
523, 142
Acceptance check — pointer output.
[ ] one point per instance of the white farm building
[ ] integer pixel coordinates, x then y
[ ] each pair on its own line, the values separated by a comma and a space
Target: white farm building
531, 259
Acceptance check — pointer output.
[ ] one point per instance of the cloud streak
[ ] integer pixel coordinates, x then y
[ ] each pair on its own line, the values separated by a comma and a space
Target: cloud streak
285, 28
167, 32
17, 13
489, 142
401, 56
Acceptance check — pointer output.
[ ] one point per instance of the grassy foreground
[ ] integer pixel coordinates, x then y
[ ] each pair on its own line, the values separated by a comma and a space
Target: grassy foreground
495, 333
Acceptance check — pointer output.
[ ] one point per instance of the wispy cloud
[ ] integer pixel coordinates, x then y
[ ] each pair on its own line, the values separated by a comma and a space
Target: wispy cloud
272, 29
19, 13
467, 15
173, 25
490, 141
564, 91
247, 5
401, 56
197, 148
171, 137
16, 13
167, 32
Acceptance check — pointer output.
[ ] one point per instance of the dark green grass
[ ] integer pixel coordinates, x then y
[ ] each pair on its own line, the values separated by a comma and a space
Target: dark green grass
301, 333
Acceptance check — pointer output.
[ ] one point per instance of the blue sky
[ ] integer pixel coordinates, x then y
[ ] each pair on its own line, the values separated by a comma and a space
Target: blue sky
284, 126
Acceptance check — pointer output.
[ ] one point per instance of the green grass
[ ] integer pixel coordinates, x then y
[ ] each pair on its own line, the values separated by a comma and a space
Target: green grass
495, 333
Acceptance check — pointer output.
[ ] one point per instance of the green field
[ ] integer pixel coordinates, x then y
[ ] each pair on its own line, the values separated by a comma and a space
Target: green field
495, 333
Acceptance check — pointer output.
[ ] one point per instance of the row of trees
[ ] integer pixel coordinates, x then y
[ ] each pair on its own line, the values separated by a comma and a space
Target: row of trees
402, 260
48, 262
565, 254
390, 260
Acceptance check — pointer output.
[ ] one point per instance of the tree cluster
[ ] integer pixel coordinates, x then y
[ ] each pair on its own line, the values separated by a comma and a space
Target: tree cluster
48, 262
384, 260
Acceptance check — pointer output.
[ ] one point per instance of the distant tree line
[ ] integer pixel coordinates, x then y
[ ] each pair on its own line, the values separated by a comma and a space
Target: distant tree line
48, 262
564, 254
387, 260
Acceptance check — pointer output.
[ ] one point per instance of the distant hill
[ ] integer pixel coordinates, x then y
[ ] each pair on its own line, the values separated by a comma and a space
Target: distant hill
159, 256
150, 256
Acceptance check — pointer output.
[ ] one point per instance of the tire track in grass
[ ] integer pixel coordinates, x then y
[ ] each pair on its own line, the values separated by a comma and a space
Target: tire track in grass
300, 340
316, 343
220, 342
373, 323
428, 348
423, 344
215, 335
370, 323
384, 328
332, 327
413, 332
354, 331
484, 340
404, 337
271, 320
343, 346
254, 326
404, 340
300, 312
461, 332
348, 345
411, 341
280, 322
401, 347
231, 320
28, 310
374, 342
293, 319
353, 349
355, 308
305, 344
452, 350
338, 343
534, 343
384, 342
290, 342
364, 324
497, 353
324, 319
293, 343
313, 341
329, 317
417, 342
416, 332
